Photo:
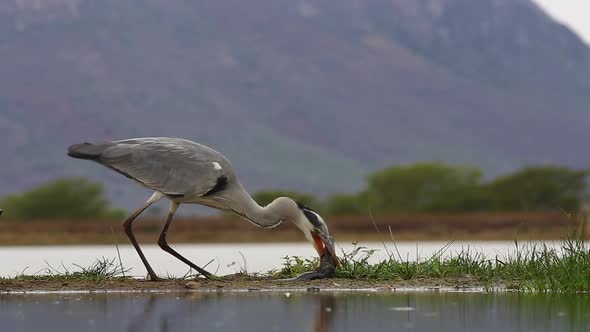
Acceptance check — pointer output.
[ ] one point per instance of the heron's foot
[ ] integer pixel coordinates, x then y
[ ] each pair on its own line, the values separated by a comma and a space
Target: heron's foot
212, 277
207, 274
156, 278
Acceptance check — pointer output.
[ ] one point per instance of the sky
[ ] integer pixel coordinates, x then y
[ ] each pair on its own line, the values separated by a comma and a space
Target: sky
573, 13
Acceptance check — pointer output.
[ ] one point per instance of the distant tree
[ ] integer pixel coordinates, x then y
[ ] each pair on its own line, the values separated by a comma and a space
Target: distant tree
62, 199
426, 187
539, 188
265, 197
347, 204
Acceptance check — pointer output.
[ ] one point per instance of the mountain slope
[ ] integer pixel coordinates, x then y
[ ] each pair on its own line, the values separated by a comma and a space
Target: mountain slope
309, 95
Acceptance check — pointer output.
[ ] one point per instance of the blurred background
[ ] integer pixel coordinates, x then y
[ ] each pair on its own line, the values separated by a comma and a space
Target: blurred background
435, 119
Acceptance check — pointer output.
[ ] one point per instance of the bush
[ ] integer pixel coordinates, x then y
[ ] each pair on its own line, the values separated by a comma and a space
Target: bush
347, 204
62, 199
539, 188
426, 187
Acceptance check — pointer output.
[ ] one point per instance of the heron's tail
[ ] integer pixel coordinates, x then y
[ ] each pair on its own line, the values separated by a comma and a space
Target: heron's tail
88, 151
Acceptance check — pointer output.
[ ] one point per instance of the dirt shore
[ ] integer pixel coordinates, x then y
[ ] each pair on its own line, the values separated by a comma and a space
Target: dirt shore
475, 226
231, 283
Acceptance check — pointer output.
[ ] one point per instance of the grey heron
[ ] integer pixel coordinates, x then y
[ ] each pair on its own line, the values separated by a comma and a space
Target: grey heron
187, 172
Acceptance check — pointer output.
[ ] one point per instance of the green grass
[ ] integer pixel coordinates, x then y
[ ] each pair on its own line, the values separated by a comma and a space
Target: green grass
102, 269
529, 267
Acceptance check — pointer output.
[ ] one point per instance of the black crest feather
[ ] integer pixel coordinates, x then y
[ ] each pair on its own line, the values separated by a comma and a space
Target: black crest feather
310, 214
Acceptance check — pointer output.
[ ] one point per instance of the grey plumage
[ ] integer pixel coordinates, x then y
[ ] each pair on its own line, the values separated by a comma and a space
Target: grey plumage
188, 172
171, 166
183, 170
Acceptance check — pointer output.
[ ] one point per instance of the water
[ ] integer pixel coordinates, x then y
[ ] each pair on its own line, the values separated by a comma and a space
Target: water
261, 311
227, 258
272, 311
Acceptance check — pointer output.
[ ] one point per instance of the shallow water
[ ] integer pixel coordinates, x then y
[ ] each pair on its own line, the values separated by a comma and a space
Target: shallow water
226, 258
261, 311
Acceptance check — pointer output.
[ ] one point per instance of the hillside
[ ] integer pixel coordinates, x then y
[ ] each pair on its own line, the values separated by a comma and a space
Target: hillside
309, 95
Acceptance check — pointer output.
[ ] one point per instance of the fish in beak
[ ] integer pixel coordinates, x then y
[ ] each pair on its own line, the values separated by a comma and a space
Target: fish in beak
316, 231
323, 243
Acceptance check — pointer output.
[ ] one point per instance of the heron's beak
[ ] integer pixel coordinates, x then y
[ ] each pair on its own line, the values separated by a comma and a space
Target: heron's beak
324, 245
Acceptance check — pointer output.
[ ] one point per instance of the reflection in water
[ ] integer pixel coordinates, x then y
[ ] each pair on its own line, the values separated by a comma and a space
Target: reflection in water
323, 311
322, 318
138, 323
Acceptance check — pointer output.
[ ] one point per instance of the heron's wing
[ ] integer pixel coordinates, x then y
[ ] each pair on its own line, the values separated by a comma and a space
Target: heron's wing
171, 166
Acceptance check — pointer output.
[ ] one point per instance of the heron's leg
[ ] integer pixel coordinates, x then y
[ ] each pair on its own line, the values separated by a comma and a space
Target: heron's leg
127, 226
164, 245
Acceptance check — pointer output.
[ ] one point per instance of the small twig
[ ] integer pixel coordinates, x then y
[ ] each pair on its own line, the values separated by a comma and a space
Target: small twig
441, 251
394, 244
50, 268
379, 233
118, 252
22, 273
245, 269
211, 261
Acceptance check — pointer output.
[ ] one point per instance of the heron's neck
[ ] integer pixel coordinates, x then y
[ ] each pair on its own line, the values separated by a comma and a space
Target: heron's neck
267, 217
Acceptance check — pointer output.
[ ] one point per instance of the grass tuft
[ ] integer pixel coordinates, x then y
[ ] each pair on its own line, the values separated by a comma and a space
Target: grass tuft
529, 268
101, 270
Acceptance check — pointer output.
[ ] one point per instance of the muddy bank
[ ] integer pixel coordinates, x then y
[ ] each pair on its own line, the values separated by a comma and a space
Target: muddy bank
231, 283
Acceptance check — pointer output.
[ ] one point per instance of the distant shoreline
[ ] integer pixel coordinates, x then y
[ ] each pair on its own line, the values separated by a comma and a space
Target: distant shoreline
475, 227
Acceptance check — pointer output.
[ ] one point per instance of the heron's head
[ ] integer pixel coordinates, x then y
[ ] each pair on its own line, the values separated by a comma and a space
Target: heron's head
316, 231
